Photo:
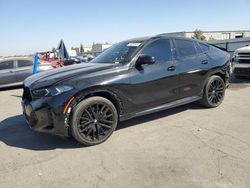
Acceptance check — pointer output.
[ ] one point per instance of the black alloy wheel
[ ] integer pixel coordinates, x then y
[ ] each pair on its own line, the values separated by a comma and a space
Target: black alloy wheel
94, 120
214, 92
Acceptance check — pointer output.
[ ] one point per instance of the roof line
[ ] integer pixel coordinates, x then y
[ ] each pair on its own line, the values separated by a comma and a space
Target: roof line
218, 31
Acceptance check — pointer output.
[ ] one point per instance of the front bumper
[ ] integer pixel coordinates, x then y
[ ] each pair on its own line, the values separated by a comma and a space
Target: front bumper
46, 114
241, 69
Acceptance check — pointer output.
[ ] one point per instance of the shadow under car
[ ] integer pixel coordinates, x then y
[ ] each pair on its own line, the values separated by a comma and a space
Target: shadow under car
15, 132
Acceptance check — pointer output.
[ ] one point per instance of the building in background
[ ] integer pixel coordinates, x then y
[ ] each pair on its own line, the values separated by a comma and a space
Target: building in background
98, 47
87, 49
72, 53
230, 40
215, 35
232, 44
95, 50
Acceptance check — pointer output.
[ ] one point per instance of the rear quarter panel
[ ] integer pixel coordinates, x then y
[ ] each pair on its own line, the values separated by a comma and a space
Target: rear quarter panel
220, 61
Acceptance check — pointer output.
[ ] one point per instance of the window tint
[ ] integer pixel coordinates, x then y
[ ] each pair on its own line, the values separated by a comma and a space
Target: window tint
159, 49
6, 65
185, 47
24, 63
204, 47
198, 48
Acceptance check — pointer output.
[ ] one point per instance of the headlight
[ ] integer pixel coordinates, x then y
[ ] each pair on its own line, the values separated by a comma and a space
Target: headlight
52, 91
235, 57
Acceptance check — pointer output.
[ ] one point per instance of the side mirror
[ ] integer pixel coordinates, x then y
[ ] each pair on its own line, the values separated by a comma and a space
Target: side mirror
144, 59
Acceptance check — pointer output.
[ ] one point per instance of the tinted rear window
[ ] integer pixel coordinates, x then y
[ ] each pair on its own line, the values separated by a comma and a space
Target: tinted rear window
198, 48
24, 63
6, 65
204, 47
185, 47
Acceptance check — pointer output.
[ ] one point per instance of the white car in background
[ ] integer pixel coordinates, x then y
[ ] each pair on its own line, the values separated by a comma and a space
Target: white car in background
241, 62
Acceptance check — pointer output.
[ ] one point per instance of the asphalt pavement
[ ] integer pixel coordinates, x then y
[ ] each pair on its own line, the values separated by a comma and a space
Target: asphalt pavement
188, 146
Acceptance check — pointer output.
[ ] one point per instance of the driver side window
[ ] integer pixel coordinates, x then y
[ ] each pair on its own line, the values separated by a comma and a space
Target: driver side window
159, 49
6, 65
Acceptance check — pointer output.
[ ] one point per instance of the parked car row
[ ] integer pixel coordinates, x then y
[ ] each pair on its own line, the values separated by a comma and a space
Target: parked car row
15, 70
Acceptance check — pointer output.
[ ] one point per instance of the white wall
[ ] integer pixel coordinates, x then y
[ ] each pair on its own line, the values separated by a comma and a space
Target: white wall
220, 35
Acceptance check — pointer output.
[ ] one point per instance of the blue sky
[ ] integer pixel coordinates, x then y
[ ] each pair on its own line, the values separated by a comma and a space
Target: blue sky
27, 26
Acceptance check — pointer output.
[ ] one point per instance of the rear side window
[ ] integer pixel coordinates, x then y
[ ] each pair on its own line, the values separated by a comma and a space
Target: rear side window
6, 65
204, 47
185, 47
159, 49
198, 48
24, 63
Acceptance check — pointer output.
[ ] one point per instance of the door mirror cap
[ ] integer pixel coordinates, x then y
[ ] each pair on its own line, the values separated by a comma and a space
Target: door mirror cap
144, 59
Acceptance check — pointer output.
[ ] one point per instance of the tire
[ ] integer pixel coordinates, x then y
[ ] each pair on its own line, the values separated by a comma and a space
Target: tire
214, 92
94, 120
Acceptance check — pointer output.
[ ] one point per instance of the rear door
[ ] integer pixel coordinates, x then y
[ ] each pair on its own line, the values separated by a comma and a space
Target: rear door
7, 72
24, 69
193, 65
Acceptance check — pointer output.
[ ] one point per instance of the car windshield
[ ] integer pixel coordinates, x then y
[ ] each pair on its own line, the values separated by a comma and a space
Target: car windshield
118, 53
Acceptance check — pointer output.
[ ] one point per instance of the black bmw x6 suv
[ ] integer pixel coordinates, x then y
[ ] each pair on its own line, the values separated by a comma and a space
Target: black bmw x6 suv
130, 79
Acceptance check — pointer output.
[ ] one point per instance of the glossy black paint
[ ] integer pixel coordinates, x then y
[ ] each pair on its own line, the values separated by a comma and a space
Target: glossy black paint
134, 91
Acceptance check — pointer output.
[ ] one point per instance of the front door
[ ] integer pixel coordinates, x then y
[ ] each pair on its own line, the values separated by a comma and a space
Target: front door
7, 72
157, 83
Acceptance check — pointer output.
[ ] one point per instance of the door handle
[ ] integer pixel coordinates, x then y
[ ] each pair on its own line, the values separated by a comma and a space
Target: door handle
11, 71
204, 61
171, 68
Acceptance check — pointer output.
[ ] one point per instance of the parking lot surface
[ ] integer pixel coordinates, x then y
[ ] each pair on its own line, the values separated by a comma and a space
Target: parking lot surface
188, 146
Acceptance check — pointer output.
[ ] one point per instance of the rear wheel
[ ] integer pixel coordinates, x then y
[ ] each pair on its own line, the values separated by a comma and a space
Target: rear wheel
94, 120
214, 92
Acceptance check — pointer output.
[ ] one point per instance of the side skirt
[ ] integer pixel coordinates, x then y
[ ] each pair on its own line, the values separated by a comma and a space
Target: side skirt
161, 107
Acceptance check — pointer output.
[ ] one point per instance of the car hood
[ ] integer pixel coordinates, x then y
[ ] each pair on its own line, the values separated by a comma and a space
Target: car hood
245, 49
51, 77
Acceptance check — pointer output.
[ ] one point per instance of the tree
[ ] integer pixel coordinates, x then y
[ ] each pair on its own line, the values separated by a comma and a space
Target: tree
198, 34
53, 50
81, 48
211, 38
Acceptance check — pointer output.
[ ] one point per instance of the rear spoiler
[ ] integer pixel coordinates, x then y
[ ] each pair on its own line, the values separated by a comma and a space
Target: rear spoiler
221, 48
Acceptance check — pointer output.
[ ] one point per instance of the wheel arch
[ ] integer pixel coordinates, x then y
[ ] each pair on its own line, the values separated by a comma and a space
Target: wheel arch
80, 96
105, 93
219, 73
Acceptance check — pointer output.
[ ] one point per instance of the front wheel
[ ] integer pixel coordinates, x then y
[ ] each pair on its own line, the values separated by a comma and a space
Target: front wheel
214, 92
94, 120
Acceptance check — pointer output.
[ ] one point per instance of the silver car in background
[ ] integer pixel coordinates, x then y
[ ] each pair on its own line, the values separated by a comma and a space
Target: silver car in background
13, 71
